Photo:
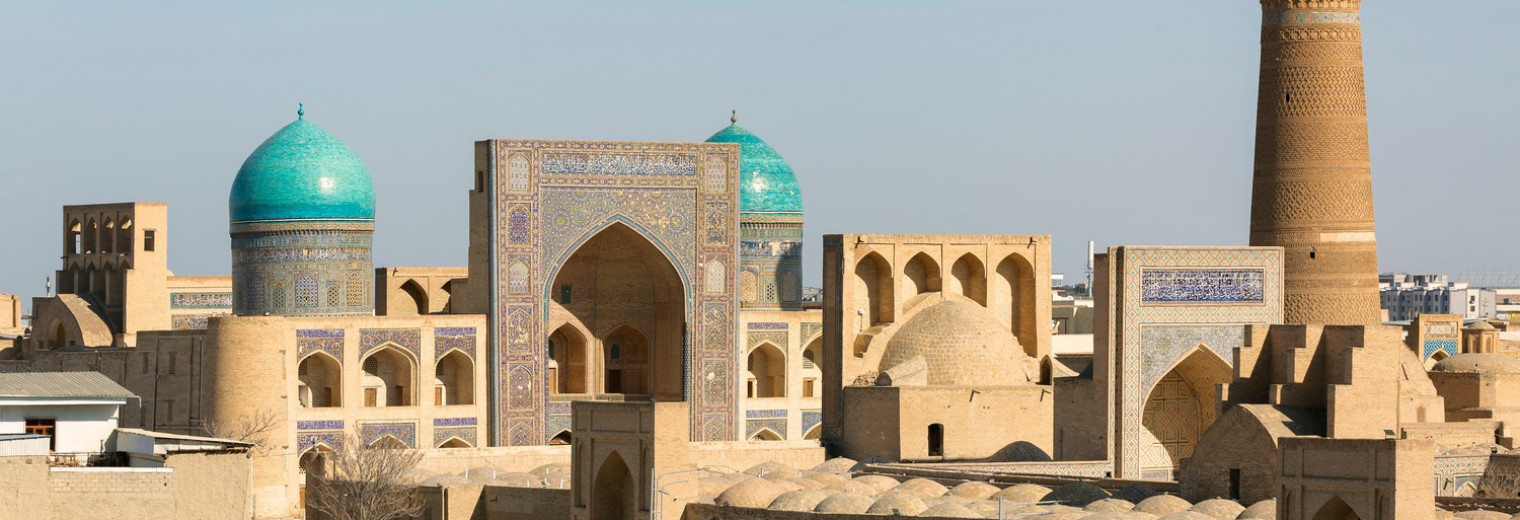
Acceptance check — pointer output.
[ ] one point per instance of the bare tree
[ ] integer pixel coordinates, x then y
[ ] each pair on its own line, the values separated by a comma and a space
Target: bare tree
365, 483
254, 428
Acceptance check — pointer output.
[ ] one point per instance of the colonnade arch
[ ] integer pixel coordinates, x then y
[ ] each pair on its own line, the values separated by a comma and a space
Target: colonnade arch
454, 380
388, 378
765, 371
321, 381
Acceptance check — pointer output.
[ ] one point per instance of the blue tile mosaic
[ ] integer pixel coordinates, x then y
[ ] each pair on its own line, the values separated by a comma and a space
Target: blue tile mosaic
1202, 286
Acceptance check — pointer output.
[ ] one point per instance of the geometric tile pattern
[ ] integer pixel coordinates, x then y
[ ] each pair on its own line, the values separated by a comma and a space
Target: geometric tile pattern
406, 432
1451, 472
448, 338
764, 414
442, 435
753, 426
325, 340
1135, 366
569, 191
319, 425
453, 421
1449, 346
409, 339
305, 441
1201, 285
201, 300
810, 418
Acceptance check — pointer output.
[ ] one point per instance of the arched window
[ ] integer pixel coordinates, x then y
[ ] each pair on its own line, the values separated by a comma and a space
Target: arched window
454, 380
306, 291
968, 278
560, 439
767, 370
388, 378
568, 355
354, 287
627, 362
873, 290
320, 381
108, 237
921, 275
419, 299
75, 241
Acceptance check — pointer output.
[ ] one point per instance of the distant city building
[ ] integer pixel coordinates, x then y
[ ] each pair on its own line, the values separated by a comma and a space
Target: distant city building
1405, 296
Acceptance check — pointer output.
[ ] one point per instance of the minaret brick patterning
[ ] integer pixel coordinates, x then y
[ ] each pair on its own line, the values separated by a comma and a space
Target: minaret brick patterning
1312, 193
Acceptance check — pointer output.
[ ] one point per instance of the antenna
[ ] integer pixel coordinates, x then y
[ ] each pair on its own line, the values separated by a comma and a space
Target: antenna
1089, 268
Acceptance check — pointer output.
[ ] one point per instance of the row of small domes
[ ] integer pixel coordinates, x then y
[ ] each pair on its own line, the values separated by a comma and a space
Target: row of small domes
302, 172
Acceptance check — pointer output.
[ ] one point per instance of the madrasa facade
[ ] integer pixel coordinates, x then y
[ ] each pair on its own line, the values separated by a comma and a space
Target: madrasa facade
634, 309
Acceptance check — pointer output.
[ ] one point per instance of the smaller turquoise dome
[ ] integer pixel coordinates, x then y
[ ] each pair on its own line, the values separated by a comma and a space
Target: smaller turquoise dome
302, 173
766, 181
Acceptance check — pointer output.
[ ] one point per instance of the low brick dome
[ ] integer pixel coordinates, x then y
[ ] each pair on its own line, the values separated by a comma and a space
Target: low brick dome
881, 483
1263, 510
801, 500
897, 504
1191, 515
1219, 508
921, 488
1076, 494
949, 510
1167, 504
1109, 505
845, 503
1022, 493
974, 490
1486, 363
961, 344
753, 492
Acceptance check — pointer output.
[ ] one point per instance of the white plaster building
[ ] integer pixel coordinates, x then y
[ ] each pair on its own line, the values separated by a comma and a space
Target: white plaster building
78, 410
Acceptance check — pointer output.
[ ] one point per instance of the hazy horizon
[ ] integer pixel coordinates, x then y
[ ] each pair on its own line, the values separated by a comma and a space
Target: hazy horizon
1116, 121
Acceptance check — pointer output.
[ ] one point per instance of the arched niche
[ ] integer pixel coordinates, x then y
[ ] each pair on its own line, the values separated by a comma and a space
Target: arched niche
1180, 407
1011, 299
625, 292
417, 295
873, 290
968, 277
766, 372
389, 378
765, 434
454, 380
613, 493
920, 275
321, 381
569, 367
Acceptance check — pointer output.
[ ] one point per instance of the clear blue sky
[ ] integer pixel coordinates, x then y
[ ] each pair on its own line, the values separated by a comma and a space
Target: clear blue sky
1120, 121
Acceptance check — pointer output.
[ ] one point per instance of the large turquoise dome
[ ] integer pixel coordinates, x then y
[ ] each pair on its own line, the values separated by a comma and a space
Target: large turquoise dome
766, 181
302, 173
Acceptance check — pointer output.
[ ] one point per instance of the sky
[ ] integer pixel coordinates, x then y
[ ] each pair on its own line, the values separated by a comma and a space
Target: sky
1117, 121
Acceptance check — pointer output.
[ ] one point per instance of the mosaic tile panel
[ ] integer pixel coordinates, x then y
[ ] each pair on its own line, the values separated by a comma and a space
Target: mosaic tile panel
442, 435
775, 338
404, 431
576, 190
764, 414
320, 425
1449, 346
811, 418
450, 338
200, 300
453, 421
810, 330
753, 426
1132, 315
1451, 472
1308, 18
324, 340
1163, 346
1202, 285
305, 441
764, 325
409, 339
192, 321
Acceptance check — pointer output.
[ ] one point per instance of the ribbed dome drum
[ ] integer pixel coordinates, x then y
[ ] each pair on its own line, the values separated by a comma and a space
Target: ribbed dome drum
770, 224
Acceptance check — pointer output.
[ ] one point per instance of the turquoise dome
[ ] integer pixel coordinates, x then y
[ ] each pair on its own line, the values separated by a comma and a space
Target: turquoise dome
302, 173
766, 181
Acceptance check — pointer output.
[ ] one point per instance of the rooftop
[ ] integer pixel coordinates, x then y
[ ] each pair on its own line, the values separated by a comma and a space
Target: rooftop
61, 384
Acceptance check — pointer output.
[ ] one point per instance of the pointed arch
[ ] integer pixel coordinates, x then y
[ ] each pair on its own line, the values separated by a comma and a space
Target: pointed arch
813, 433
562, 438
314, 459
569, 358
626, 355
124, 235
455, 442
873, 289
92, 237
1435, 357
74, 242
1011, 299
765, 434
920, 275
319, 380
108, 236
1179, 407
1336, 509
765, 371
388, 377
454, 379
387, 442
613, 493
968, 277
621, 277
418, 296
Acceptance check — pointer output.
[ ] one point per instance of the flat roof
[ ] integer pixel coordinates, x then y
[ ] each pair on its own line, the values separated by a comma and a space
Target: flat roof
61, 384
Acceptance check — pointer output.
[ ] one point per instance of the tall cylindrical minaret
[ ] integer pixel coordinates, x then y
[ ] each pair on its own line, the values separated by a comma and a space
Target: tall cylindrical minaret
1312, 193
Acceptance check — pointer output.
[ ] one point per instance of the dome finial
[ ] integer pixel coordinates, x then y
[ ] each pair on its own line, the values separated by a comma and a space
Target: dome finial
300, 110
734, 119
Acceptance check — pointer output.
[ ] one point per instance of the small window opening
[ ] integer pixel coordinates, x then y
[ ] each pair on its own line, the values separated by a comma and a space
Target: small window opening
564, 294
148, 242
480, 181
1235, 483
936, 440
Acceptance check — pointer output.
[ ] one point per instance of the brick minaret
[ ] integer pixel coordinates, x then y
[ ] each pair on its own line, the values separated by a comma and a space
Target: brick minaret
1312, 193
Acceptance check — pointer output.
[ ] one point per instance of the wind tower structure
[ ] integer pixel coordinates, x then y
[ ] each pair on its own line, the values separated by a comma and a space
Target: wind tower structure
1312, 193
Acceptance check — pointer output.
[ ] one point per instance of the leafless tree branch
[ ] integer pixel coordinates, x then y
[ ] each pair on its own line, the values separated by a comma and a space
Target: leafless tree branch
365, 483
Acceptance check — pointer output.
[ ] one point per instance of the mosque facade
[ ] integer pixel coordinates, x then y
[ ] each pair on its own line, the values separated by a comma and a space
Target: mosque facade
641, 303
